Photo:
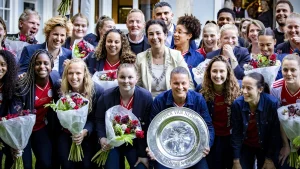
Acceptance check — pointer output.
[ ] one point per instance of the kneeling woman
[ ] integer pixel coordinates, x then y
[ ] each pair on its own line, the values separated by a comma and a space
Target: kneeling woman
76, 78
130, 96
38, 87
255, 125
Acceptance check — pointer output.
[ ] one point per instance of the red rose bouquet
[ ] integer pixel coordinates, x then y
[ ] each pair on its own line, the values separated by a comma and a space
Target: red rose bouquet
81, 49
268, 66
15, 131
107, 78
122, 126
72, 110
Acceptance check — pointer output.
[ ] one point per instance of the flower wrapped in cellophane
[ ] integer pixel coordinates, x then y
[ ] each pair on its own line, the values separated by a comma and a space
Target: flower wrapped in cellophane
72, 110
200, 70
106, 78
81, 49
122, 126
15, 131
267, 66
289, 117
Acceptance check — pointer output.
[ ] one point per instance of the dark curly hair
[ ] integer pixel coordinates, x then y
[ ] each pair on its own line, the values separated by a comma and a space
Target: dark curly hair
192, 24
9, 80
231, 89
100, 52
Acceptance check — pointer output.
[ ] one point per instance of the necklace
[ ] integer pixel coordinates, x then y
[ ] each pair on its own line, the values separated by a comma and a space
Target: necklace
157, 80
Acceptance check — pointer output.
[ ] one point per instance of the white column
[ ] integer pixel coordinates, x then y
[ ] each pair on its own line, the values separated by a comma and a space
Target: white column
55, 7
218, 5
47, 10
135, 4
14, 12
88, 9
75, 5
106, 8
184, 7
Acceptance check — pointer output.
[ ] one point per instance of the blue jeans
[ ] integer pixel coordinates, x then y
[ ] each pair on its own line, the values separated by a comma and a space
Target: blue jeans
220, 155
41, 146
64, 145
202, 164
113, 159
248, 156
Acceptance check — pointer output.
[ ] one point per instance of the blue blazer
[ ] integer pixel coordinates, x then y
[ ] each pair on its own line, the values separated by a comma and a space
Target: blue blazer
29, 50
283, 48
93, 64
92, 39
242, 55
267, 124
142, 103
67, 43
89, 125
27, 102
280, 57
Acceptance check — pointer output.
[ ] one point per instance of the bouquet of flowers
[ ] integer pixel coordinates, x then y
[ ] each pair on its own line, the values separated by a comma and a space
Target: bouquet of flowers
107, 78
200, 70
81, 49
15, 131
289, 117
267, 66
23, 38
122, 126
72, 110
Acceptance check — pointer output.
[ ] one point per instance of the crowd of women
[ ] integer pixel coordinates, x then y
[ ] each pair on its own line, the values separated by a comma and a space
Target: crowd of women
240, 110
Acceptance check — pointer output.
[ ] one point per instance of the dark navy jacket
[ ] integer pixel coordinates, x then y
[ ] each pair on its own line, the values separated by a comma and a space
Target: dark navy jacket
89, 125
93, 64
280, 57
67, 43
267, 124
194, 101
283, 48
142, 103
92, 39
7, 107
242, 55
29, 50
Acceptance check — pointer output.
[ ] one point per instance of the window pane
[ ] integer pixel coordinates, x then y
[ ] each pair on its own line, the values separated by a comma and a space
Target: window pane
147, 6
7, 3
6, 19
1, 3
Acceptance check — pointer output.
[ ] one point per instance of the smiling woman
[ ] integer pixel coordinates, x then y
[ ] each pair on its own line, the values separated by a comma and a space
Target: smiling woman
56, 30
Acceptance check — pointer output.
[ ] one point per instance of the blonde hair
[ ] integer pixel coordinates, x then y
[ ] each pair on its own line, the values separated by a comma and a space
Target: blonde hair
88, 84
294, 15
80, 15
57, 21
210, 25
227, 27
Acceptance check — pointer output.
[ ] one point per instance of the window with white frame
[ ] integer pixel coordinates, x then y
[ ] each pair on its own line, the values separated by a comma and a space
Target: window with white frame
5, 13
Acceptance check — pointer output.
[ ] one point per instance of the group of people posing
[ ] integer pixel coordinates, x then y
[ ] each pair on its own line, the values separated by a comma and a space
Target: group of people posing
152, 65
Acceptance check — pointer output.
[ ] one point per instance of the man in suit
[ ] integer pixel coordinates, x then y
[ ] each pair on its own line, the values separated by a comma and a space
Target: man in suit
136, 24
239, 11
29, 24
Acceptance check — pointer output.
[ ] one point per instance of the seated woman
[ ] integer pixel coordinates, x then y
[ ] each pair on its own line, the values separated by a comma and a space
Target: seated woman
286, 90
112, 50
104, 24
292, 45
80, 25
39, 86
56, 30
8, 80
255, 125
155, 64
180, 96
188, 28
131, 97
254, 29
237, 56
210, 37
220, 88
76, 78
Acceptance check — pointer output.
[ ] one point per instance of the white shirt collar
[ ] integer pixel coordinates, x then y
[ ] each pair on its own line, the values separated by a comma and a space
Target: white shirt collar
60, 50
135, 42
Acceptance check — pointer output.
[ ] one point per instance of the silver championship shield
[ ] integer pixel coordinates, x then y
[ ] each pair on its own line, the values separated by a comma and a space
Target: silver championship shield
177, 137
